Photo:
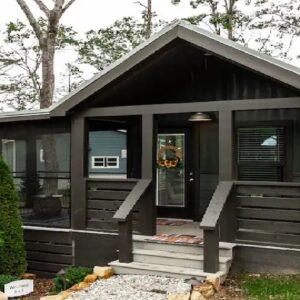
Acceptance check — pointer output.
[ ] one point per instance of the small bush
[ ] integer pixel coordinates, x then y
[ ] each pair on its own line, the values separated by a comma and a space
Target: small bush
4, 279
73, 275
12, 251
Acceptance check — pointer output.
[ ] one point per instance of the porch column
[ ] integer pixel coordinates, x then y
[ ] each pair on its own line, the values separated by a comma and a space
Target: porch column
78, 172
31, 167
225, 145
147, 206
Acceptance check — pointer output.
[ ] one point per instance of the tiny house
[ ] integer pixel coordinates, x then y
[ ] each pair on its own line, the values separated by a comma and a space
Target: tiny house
187, 126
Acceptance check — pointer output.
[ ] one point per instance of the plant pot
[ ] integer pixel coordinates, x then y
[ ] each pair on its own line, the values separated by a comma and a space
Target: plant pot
47, 206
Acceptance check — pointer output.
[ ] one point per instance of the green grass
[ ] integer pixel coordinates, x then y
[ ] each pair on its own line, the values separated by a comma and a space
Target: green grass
271, 287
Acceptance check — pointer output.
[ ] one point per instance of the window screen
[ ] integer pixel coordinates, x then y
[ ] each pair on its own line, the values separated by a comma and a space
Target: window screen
261, 153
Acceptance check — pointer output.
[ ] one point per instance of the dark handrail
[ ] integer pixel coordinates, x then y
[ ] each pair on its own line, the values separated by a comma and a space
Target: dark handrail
124, 218
131, 200
216, 205
210, 225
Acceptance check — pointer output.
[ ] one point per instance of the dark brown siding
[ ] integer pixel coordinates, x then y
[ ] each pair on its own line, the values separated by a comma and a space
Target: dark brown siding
48, 251
181, 72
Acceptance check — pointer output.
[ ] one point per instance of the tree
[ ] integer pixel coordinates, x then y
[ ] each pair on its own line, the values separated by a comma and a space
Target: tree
20, 63
47, 38
261, 24
104, 46
12, 251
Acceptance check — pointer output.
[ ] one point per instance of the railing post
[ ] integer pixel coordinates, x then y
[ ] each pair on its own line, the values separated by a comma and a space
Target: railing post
125, 240
211, 250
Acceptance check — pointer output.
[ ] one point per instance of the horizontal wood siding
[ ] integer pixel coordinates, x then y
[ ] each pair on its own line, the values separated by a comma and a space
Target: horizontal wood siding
268, 214
104, 199
48, 252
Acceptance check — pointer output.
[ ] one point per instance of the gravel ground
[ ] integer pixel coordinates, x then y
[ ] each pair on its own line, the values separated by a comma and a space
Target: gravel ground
132, 287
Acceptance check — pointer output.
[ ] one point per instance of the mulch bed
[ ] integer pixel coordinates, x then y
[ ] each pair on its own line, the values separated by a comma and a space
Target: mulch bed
42, 287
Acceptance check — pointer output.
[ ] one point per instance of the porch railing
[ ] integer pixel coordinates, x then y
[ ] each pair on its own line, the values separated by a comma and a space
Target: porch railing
211, 225
124, 218
251, 212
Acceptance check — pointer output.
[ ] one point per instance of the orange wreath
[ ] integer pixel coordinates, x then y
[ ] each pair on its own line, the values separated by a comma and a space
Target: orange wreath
166, 162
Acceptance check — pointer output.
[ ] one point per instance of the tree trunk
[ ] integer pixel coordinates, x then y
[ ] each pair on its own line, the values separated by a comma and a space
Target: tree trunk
48, 140
149, 19
48, 51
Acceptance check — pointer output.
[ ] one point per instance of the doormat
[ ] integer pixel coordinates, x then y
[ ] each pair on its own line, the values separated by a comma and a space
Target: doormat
171, 222
178, 238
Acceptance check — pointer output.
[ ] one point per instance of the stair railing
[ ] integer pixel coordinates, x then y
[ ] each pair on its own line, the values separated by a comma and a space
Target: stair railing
124, 217
210, 225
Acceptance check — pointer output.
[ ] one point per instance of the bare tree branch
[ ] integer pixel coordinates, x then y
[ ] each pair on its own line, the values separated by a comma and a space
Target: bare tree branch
33, 22
67, 6
42, 7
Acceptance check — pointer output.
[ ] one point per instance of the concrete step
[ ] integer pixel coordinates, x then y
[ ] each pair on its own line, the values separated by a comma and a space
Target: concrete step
138, 268
147, 243
176, 259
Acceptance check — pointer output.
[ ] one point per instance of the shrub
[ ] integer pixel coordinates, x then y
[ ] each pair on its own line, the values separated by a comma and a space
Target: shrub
4, 279
72, 276
12, 251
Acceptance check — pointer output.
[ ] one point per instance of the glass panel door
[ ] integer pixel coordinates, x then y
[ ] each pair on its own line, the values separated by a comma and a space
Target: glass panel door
170, 187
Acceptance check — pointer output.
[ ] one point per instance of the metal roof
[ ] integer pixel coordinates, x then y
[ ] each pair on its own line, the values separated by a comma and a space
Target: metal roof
211, 42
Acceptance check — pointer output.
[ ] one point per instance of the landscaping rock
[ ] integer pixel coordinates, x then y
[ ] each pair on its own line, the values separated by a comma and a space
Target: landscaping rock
79, 286
197, 296
90, 278
179, 296
65, 294
133, 287
215, 281
206, 289
54, 297
28, 276
3, 296
103, 272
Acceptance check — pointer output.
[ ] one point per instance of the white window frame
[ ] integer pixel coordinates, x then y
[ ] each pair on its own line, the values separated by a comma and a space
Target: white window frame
105, 160
13, 142
42, 160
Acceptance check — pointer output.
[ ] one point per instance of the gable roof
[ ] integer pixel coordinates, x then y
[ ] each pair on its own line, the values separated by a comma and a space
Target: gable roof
210, 42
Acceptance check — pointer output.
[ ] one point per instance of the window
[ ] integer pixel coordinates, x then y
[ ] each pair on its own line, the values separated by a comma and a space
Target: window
105, 162
261, 153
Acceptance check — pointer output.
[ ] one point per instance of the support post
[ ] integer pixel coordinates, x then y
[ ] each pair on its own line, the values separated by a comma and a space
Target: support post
125, 240
78, 173
31, 169
225, 145
211, 250
147, 207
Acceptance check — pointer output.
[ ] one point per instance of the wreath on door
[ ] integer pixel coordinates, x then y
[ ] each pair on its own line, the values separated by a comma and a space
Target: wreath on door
169, 157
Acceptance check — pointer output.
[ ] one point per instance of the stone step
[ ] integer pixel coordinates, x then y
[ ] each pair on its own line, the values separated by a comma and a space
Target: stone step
147, 243
138, 268
176, 259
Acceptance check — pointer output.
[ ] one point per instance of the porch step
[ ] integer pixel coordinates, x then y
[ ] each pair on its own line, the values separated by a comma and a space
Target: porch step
180, 260
138, 268
148, 243
171, 258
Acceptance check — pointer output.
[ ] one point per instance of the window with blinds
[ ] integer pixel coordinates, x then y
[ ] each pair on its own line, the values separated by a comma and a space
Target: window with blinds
261, 153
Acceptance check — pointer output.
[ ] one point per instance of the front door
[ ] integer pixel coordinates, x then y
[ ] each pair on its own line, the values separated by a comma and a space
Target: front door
174, 175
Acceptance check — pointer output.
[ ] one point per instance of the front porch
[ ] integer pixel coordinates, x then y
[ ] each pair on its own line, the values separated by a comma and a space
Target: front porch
126, 150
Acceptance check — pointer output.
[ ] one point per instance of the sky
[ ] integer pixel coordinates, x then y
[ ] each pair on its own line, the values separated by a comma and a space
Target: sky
84, 15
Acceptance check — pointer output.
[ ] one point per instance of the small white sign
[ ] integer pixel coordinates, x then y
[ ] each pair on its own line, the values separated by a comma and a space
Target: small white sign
18, 288
124, 153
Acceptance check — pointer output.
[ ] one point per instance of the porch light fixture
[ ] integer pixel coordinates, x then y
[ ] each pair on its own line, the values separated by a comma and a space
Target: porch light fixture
200, 117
